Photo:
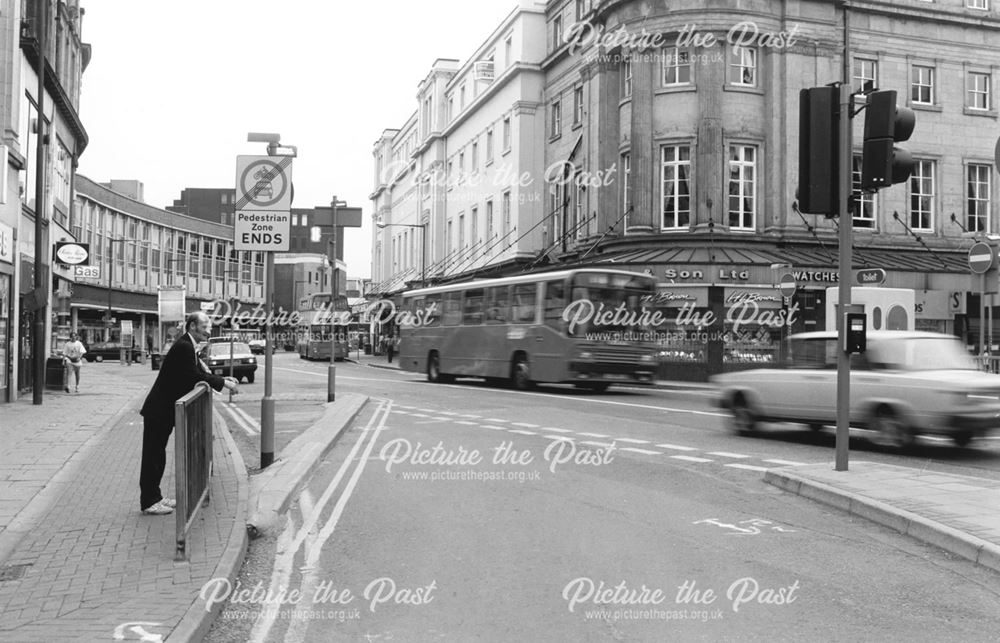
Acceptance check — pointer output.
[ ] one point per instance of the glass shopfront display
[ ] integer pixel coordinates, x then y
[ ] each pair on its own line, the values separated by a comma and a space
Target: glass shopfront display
5, 334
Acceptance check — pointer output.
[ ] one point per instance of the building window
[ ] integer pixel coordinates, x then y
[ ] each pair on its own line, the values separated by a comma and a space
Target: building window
508, 50
451, 108
474, 159
865, 74
864, 217
505, 212
556, 32
626, 175
448, 240
742, 187
506, 134
461, 230
626, 75
556, 118
461, 167
676, 66
461, 97
977, 208
978, 91
474, 226
558, 210
578, 105
581, 211
675, 192
489, 146
977, 4
922, 196
922, 89
489, 221
743, 66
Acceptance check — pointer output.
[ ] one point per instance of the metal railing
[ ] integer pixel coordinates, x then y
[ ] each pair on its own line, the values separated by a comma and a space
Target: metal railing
989, 363
193, 459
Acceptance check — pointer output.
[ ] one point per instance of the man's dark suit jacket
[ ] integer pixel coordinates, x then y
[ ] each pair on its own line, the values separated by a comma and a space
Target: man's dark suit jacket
179, 373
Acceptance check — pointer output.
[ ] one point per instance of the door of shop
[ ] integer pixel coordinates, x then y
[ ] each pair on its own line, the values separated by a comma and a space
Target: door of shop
24, 371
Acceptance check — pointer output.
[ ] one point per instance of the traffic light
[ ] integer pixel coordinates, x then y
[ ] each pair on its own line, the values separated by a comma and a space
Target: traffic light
819, 144
883, 164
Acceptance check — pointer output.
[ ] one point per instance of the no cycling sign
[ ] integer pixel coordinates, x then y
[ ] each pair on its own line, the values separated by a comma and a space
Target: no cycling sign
262, 219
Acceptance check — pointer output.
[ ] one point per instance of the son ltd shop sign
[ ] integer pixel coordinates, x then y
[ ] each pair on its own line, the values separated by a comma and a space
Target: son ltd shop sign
743, 274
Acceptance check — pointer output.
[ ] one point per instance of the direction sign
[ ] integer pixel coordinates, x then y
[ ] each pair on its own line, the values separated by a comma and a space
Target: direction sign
264, 183
787, 284
871, 276
981, 258
261, 231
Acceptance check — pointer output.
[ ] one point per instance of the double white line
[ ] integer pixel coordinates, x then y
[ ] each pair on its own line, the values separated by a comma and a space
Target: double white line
242, 419
292, 540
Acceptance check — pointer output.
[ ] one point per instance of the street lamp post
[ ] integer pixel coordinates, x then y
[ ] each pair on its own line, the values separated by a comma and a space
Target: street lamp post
331, 380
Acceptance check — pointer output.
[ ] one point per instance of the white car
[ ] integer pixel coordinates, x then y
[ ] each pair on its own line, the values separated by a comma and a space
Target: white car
906, 384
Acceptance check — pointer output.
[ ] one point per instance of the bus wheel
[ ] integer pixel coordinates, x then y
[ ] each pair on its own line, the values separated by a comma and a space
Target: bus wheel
433, 368
520, 374
598, 387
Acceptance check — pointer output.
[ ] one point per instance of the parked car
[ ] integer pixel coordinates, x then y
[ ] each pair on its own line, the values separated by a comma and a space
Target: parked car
256, 346
216, 356
100, 351
905, 384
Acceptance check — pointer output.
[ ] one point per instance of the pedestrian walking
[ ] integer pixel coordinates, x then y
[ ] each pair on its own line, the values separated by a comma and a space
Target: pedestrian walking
391, 345
73, 353
180, 372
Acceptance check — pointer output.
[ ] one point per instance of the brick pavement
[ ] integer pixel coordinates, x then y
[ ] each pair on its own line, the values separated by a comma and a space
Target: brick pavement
90, 561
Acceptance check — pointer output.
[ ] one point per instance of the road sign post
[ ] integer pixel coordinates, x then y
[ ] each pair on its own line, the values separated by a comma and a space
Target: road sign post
982, 260
262, 224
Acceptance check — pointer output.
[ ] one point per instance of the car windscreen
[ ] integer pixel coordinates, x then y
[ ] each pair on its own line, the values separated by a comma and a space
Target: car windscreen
921, 354
222, 349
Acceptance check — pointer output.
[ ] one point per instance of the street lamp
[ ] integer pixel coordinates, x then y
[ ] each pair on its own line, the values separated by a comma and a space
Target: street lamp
334, 287
423, 244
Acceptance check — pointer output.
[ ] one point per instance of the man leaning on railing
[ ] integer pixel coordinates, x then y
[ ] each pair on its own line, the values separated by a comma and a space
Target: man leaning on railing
180, 372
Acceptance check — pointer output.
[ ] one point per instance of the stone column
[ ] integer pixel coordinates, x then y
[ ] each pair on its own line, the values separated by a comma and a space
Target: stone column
605, 138
710, 158
642, 219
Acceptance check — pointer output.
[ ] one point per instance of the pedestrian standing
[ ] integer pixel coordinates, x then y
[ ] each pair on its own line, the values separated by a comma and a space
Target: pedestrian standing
390, 347
73, 353
180, 372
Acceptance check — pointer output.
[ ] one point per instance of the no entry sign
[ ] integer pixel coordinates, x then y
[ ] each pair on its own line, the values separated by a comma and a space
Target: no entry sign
980, 258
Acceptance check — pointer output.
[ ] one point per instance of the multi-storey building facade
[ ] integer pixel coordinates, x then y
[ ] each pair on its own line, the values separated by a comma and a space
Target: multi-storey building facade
670, 144
28, 115
460, 170
139, 249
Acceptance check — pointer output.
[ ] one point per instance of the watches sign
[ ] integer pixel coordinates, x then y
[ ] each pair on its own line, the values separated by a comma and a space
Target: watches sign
73, 254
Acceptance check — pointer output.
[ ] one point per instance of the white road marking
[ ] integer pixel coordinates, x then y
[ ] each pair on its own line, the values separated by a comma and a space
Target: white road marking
555, 430
560, 437
676, 447
598, 444
466, 422
592, 435
637, 450
689, 458
494, 420
495, 428
527, 425
522, 432
788, 463
468, 415
249, 430
632, 440
419, 415
726, 454
748, 467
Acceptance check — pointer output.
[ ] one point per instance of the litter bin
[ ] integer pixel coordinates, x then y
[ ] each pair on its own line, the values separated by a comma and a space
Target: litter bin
154, 361
54, 373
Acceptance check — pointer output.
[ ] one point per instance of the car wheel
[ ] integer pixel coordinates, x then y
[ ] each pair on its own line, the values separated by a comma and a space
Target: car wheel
98, 358
962, 439
892, 430
742, 420
250, 378
815, 428
597, 387
520, 374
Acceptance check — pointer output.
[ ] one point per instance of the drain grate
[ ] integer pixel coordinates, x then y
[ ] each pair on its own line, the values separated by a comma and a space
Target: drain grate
13, 572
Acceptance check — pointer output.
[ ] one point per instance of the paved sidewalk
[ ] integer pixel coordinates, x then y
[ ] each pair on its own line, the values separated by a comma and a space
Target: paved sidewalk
959, 514
77, 558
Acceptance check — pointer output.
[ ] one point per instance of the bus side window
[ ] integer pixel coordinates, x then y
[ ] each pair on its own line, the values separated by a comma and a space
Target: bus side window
430, 313
523, 303
555, 304
452, 313
472, 312
497, 305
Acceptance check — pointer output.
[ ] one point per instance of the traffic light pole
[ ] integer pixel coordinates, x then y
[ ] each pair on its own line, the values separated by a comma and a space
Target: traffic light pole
846, 255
